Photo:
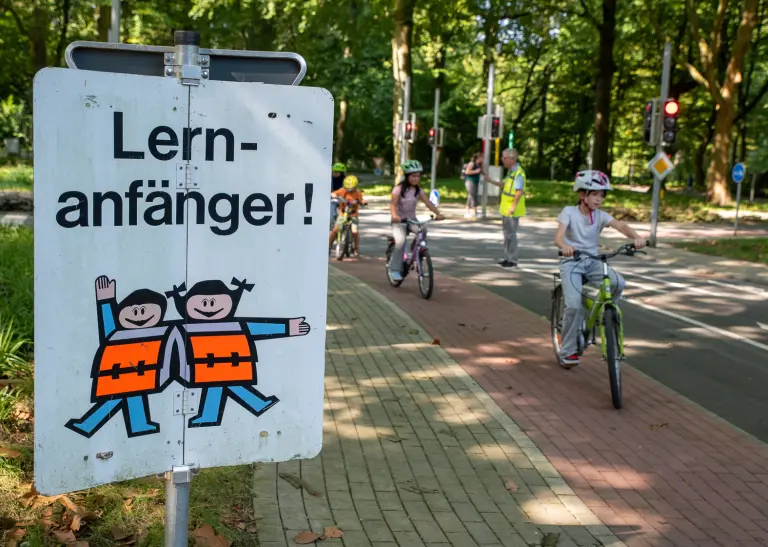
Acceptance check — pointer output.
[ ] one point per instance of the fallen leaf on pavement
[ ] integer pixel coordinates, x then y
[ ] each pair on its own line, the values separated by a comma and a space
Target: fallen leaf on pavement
66, 538
654, 427
435, 341
331, 532
414, 331
7, 452
550, 540
296, 482
305, 538
206, 537
77, 510
511, 486
119, 534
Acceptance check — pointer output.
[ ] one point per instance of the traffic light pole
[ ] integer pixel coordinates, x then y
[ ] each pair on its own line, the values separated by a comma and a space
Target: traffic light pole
406, 114
435, 139
656, 180
487, 136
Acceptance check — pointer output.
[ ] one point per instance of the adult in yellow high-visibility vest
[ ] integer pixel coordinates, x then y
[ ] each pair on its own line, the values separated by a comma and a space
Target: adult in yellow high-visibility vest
511, 205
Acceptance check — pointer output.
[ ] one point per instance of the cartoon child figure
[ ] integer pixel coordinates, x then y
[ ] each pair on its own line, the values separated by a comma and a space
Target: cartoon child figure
220, 352
131, 361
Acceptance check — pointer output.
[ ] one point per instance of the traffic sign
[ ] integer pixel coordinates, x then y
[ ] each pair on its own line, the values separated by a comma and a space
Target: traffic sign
268, 67
173, 237
661, 165
738, 172
434, 197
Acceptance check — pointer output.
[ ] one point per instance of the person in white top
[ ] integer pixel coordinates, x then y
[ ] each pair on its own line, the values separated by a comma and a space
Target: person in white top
579, 228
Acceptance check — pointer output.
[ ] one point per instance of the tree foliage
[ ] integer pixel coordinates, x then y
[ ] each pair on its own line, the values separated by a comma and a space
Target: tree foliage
572, 77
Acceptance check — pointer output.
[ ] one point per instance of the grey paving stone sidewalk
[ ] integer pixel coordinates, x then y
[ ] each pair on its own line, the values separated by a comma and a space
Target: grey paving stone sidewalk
415, 452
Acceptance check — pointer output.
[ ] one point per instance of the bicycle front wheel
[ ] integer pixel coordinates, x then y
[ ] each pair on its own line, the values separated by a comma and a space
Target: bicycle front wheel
426, 280
612, 355
556, 320
340, 245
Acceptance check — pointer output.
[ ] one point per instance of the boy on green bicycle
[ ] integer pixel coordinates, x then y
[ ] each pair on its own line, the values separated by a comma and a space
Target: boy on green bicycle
579, 230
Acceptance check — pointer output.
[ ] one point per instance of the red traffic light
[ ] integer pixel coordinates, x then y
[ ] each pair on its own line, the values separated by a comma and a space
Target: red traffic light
671, 107
432, 132
408, 126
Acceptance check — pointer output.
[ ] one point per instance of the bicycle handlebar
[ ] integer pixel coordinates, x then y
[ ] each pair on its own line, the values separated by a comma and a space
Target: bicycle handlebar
627, 249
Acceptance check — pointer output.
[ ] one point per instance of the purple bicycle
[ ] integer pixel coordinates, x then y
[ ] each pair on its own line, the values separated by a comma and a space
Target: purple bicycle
419, 258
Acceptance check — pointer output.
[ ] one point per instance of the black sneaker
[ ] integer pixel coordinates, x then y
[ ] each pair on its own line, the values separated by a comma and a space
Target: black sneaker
507, 264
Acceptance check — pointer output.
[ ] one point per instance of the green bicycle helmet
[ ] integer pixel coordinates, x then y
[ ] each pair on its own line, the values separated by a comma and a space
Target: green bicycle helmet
412, 166
339, 167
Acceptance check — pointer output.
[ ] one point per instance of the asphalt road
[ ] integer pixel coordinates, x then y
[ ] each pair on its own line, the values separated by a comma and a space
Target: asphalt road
698, 335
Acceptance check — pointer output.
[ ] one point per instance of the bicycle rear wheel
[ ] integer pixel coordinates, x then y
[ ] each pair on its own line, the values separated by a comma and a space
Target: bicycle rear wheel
612, 354
426, 280
556, 320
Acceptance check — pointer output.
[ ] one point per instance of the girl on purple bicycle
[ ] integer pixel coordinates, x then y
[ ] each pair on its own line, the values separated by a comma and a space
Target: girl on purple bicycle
405, 197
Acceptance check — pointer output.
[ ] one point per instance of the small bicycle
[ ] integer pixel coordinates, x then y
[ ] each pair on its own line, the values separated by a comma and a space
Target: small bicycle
345, 242
601, 313
419, 259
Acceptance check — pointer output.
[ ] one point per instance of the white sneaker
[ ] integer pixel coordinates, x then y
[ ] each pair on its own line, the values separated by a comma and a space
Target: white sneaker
396, 276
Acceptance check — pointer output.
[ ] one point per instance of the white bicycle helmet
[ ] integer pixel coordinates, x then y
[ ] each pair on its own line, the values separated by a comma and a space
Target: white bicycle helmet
591, 180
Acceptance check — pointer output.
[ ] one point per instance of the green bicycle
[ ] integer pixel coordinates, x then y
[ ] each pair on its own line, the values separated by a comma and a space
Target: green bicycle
601, 313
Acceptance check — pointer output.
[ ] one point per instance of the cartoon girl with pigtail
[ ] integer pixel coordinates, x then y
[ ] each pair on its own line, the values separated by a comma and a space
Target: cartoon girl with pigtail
220, 350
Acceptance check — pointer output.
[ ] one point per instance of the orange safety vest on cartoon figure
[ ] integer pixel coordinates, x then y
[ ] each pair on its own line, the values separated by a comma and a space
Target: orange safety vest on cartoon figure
220, 354
130, 363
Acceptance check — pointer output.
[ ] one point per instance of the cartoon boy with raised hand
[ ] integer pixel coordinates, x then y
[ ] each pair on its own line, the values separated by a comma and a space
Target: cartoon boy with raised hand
220, 350
131, 361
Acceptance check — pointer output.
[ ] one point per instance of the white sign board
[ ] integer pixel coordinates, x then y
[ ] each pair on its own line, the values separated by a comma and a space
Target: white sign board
661, 165
180, 274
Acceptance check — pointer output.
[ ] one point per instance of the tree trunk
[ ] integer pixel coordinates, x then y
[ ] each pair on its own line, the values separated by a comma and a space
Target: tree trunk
39, 38
605, 70
542, 123
701, 152
401, 63
340, 126
104, 22
717, 173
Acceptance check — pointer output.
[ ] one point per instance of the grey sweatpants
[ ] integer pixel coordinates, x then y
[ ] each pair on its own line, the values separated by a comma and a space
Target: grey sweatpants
572, 274
400, 231
510, 225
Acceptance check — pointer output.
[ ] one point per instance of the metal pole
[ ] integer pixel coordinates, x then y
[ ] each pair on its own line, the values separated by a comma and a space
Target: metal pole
752, 188
656, 181
406, 113
177, 483
487, 136
738, 202
114, 29
435, 123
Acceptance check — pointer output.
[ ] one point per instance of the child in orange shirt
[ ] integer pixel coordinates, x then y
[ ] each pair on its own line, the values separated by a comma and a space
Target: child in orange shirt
350, 196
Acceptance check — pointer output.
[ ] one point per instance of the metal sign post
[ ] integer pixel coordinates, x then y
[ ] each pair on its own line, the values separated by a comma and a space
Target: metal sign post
154, 371
406, 115
737, 174
436, 140
487, 136
665, 73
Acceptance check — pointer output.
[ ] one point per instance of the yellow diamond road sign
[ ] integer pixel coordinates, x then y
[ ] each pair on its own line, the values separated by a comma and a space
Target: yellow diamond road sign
661, 165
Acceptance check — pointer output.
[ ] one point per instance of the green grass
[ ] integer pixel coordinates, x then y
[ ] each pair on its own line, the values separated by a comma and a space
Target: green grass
625, 204
16, 177
750, 249
16, 279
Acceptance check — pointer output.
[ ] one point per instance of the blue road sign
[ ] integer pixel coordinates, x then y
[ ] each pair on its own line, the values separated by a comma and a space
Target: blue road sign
434, 197
738, 172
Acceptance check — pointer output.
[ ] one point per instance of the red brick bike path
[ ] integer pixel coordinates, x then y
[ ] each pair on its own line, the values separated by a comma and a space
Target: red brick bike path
662, 467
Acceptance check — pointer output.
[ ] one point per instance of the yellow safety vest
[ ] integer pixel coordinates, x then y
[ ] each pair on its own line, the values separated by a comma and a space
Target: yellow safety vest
508, 193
